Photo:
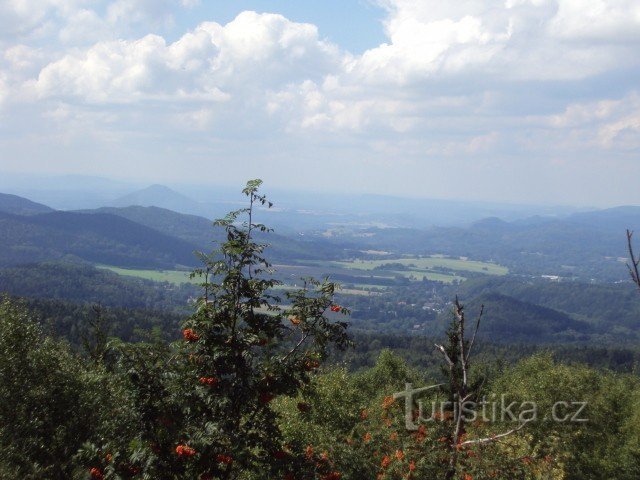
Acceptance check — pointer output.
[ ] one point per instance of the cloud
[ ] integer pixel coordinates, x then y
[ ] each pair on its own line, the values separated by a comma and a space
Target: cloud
493, 83
76, 22
211, 63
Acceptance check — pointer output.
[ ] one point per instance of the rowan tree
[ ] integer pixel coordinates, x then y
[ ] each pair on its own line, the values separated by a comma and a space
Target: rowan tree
205, 407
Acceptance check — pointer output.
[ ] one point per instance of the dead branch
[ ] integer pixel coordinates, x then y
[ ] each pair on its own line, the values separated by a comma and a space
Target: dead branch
475, 332
444, 353
494, 438
633, 268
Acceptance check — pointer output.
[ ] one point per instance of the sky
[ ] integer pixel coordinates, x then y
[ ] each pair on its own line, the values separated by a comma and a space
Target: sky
521, 101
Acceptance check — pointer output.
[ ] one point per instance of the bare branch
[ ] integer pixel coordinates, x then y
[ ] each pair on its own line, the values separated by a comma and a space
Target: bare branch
459, 310
293, 350
444, 352
633, 268
463, 358
494, 438
475, 332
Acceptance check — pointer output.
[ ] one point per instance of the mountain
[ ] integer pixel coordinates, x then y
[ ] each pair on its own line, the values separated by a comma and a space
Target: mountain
163, 197
508, 319
608, 306
21, 206
200, 232
98, 238
191, 228
617, 218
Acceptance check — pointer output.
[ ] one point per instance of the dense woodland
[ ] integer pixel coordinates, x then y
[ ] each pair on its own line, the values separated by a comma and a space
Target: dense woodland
111, 377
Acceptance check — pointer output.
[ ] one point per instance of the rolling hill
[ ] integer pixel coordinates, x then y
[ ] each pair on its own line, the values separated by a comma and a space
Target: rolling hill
590, 245
163, 197
16, 205
508, 319
200, 232
97, 238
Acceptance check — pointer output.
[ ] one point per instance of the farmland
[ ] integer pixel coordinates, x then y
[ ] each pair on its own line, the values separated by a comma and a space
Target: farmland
359, 276
176, 277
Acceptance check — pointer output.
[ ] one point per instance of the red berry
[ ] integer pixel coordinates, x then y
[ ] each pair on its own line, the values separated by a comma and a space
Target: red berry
96, 474
266, 398
209, 381
185, 451
189, 335
224, 459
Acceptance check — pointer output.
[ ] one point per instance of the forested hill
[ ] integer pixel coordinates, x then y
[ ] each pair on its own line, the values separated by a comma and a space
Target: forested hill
21, 206
607, 304
507, 319
85, 284
199, 231
99, 238
144, 237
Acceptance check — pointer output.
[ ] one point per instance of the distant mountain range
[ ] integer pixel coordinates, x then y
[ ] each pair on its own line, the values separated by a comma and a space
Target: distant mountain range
295, 210
134, 237
200, 233
587, 245
520, 307
584, 245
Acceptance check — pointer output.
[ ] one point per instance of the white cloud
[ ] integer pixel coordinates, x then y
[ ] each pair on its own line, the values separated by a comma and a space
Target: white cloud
511, 81
78, 22
210, 63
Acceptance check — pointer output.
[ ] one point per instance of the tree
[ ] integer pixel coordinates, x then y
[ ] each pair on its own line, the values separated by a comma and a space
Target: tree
463, 394
205, 407
49, 399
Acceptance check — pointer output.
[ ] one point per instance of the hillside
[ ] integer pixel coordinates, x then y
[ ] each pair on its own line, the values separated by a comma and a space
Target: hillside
510, 320
609, 307
84, 284
16, 205
200, 232
98, 238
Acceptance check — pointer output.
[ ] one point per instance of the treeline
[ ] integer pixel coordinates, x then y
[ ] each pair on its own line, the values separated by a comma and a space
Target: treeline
72, 323
418, 352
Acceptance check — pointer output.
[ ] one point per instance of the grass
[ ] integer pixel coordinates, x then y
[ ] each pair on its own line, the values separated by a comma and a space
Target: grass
422, 267
415, 267
176, 277
429, 263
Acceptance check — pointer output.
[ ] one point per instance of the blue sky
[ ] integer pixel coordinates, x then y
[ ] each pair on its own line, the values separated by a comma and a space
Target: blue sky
355, 25
528, 101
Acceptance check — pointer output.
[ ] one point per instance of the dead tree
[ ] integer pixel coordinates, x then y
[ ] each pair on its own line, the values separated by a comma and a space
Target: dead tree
635, 261
457, 356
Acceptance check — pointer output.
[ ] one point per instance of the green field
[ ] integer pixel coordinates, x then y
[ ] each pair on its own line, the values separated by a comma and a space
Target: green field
422, 267
176, 277
413, 267
429, 263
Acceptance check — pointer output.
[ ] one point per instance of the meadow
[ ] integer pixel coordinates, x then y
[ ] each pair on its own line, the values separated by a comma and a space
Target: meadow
361, 273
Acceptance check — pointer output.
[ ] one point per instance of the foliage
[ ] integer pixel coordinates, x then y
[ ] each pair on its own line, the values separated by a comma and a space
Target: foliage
203, 407
49, 399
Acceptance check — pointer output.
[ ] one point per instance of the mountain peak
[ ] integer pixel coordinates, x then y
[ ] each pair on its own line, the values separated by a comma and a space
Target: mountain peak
160, 196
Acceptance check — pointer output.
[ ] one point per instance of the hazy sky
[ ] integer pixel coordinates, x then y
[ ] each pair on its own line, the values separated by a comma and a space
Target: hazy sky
534, 101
